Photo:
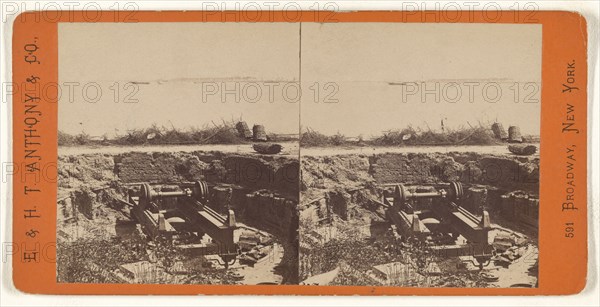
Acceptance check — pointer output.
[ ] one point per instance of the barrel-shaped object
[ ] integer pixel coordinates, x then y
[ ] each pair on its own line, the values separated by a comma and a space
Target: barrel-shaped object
514, 134
259, 133
243, 130
499, 131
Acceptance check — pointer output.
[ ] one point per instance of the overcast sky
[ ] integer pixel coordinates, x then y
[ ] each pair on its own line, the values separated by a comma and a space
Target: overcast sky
368, 62
180, 71
182, 68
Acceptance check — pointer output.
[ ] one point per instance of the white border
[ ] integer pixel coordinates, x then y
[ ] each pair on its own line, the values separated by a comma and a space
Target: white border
9, 296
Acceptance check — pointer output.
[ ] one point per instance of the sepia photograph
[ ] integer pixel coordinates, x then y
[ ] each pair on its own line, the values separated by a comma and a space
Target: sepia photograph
422, 170
361, 154
178, 153
235, 153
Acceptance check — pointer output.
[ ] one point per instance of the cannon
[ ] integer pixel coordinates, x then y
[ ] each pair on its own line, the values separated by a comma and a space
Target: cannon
452, 191
190, 204
441, 215
198, 190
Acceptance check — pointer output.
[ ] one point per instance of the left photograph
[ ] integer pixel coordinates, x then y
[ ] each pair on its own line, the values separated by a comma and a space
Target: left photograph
178, 153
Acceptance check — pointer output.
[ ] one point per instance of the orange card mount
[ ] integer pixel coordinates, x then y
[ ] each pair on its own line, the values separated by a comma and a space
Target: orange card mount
232, 216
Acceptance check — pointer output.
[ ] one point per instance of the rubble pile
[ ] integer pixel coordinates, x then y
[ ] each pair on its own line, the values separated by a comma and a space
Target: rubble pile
96, 205
340, 232
254, 246
509, 247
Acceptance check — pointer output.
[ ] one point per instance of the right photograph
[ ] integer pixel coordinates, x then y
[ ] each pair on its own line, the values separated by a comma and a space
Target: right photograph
419, 154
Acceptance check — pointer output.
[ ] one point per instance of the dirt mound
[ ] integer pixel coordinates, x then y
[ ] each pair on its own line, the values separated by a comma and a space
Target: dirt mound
516, 173
343, 171
159, 167
251, 171
323, 173
92, 170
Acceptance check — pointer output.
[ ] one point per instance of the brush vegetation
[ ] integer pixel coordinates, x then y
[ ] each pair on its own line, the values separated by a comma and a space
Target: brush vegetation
405, 137
224, 133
